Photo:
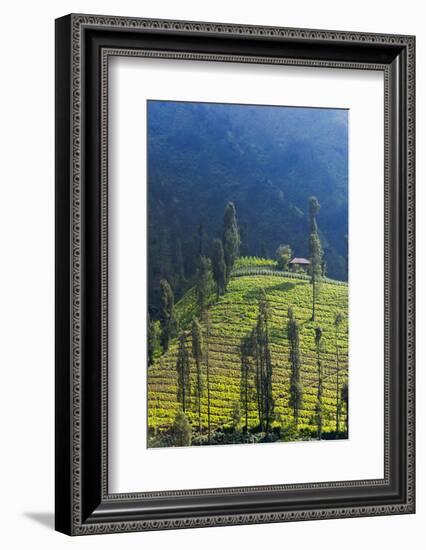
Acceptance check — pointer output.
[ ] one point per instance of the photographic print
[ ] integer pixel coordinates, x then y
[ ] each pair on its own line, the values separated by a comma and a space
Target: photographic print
207, 236
247, 274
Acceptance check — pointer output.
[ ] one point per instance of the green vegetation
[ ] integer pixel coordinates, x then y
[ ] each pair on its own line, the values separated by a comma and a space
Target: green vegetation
266, 160
283, 255
315, 250
154, 340
296, 388
252, 353
183, 370
254, 261
247, 334
203, 282
181, 430
219, 267
167, 314
230, 238
232, 318
197, 353
319, 408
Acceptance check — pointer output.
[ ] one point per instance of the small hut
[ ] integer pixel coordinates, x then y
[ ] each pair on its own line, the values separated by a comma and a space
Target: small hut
299, 264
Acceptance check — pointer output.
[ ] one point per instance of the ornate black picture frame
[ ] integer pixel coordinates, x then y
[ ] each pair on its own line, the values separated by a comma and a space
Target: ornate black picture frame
83, 45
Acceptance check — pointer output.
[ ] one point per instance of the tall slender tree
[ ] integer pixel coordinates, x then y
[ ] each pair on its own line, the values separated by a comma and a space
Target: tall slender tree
314, 207
296, 389
230, 238
319, 408
259, 375
207, 360
197, 353
338, 319
345, 402
183, 367
219, 267
316, 252
167, 315
152, 339
263, 360
203, 283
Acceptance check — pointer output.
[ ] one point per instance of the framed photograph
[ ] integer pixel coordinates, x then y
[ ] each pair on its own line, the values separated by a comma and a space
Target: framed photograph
234, 274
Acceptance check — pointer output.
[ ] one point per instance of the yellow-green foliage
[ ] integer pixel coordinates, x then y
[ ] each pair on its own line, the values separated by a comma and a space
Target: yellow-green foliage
231, 318
254, 261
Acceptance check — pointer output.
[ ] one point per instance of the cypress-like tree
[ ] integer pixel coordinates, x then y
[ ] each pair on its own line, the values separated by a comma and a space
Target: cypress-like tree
246, 351
230, 238
182, 431
203, 283
263, 366
345, 401
337, 322
167, 315
316, 253
258, 371
314, 207
183, 367
207, 345
219, 267
197, 353
296, 389
151, 340
319, 410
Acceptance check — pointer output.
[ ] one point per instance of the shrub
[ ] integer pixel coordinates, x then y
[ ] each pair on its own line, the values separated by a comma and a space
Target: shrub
289, 432
283, 255
181, 430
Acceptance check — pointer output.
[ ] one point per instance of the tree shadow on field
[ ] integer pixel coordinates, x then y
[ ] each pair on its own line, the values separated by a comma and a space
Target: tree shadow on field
255, 294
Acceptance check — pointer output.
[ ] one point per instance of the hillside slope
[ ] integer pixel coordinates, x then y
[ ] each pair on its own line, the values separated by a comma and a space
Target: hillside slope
231, 318
267, 160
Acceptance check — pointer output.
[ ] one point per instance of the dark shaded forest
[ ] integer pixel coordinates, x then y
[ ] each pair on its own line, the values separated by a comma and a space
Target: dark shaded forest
267, 160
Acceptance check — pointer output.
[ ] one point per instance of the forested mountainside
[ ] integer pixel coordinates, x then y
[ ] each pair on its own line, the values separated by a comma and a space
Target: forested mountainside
267, 161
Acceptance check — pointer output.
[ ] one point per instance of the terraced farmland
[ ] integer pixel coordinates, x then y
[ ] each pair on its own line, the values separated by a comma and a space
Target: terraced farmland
232, 318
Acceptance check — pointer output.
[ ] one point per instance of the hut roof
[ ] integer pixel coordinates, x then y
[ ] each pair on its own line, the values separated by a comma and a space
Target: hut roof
300, 261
